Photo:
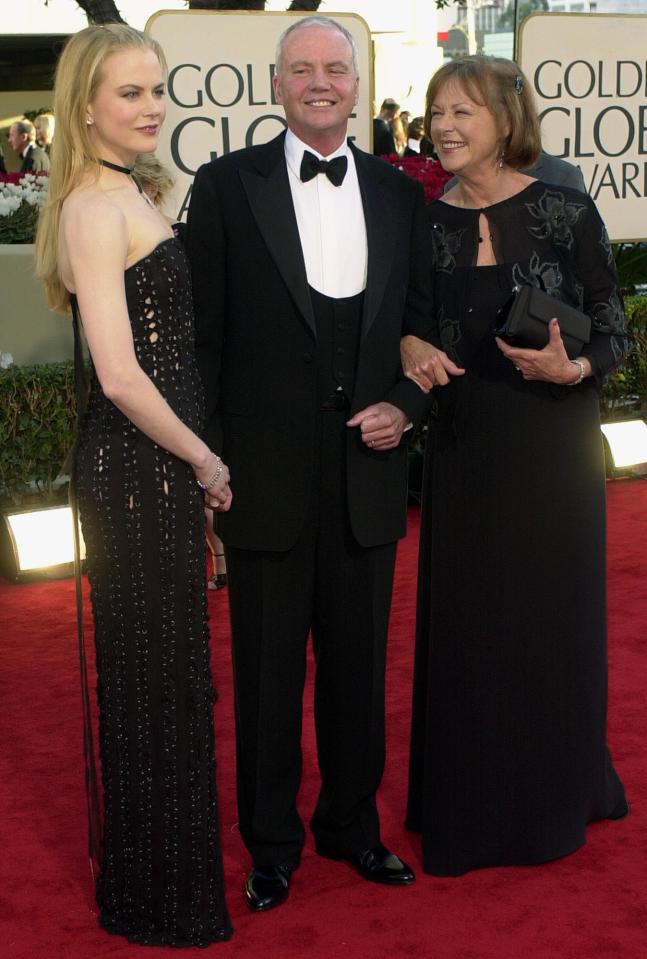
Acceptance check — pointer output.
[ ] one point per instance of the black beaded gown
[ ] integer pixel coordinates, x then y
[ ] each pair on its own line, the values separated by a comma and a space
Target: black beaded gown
508, 750
161, 878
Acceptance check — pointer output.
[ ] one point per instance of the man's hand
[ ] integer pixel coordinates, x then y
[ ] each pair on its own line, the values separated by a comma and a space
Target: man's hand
381, 425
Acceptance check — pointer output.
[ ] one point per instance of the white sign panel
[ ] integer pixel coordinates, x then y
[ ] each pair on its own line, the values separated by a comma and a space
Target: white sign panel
589, 74
220, 95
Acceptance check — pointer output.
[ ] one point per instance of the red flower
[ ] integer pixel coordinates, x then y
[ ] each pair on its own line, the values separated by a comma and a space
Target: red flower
11, 177
427, 171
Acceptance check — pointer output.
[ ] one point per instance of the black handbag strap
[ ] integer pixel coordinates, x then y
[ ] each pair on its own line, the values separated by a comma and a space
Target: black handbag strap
89, 758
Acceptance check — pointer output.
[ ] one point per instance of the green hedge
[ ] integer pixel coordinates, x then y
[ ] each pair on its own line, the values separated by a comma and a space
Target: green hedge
37, 420
626, 392
38, 412
20, 226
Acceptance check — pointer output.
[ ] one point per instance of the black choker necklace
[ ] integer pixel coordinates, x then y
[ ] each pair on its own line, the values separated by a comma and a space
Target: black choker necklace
115, 166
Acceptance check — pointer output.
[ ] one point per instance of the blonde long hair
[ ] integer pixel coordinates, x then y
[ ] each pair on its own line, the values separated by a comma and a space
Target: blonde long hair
78, 75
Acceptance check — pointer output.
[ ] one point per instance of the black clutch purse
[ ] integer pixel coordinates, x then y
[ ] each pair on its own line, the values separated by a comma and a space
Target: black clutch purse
523, 321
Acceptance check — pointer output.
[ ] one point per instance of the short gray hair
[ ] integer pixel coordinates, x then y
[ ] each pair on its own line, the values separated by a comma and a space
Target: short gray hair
318, 21
26, 126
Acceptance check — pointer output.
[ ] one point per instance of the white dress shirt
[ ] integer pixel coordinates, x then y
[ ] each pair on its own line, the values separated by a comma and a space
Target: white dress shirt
331, 223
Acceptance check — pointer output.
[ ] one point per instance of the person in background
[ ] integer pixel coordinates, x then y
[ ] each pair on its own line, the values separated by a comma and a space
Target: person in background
508, 748
22, 137
556, 171
302, 297
383, 141
415, 133
550, 169
154, 179
44, 125
218, 577
398, 130
141, 474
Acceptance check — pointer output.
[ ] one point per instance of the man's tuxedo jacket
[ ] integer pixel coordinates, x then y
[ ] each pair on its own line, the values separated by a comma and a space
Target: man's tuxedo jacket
35, 160
257, 345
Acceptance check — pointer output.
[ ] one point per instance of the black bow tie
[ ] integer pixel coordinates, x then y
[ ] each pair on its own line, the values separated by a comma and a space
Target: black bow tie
335, 169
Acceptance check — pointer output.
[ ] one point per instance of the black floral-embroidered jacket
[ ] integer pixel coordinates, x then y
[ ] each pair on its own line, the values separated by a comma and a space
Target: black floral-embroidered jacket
550, 237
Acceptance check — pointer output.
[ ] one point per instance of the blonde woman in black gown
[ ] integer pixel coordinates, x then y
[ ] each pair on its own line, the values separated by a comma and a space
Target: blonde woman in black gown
139, 467
508, 754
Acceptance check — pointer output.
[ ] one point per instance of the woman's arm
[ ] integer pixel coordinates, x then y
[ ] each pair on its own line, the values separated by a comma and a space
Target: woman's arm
422, 361
591, 260
596, 271
96, 241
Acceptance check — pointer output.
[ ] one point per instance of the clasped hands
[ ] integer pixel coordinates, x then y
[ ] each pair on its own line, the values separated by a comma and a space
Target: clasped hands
381, 425
218, 497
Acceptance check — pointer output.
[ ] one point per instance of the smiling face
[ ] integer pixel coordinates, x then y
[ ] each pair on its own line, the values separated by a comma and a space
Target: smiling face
317, 85
128, 108
465, 133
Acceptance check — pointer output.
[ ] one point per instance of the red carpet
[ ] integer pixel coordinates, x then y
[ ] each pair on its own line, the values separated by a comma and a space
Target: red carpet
591, 904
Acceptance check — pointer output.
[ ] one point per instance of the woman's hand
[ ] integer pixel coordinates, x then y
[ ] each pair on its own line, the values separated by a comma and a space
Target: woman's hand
425, 364
551, 364
218, 496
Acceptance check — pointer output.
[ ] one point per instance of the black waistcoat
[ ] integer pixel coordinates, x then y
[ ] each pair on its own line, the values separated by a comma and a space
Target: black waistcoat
339, 323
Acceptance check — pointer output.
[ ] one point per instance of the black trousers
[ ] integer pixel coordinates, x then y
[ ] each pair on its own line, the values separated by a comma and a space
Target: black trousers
341, 592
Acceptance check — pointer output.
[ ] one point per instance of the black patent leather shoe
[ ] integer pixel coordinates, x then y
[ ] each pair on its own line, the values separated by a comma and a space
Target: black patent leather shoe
620, 811
376, 864
267, 887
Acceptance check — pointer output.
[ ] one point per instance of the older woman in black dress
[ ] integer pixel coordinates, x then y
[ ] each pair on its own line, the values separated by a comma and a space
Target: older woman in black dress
509, 760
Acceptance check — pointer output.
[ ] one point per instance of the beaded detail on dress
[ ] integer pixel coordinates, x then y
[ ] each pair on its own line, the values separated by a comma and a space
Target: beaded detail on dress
161, 877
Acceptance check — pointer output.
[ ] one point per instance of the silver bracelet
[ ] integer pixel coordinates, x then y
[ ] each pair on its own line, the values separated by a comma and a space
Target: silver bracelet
581, 376
214, 479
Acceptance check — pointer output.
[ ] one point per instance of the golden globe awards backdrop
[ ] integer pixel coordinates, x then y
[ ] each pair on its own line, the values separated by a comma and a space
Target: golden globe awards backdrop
220, 94
589, 74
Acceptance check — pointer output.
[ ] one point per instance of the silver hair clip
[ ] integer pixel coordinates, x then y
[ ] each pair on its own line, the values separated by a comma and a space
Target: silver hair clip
518, 84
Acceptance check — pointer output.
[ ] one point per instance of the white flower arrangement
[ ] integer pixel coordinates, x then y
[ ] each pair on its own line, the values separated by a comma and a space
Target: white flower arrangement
19, 206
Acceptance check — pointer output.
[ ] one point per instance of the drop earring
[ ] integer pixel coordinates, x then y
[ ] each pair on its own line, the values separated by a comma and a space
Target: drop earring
501, 158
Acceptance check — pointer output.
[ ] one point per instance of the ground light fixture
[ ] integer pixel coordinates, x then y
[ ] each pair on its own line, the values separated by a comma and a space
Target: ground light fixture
626, 442
37, 543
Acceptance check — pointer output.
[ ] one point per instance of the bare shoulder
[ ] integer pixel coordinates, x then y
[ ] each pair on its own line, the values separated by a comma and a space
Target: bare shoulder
93, 236
89, 213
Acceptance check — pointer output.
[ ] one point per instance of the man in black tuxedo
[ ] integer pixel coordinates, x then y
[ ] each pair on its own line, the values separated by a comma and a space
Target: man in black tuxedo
22, 137
310, 261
